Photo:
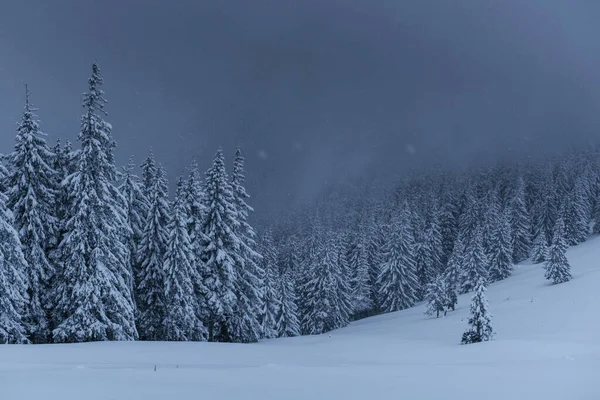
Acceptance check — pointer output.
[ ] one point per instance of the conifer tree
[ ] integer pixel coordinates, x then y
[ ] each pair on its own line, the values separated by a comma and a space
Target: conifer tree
360, 284
501, 252
194, 197
32, 188
557, 266
136, 210
474, 263
520, 224
452, 274
437, 297
246, 321
397, 280
480, 321
150, 257
288, 323
321, 292
93, 300
149, 174
575, 215
13, 281
220, 252
539, 250
180, 320
343, 304
271, 291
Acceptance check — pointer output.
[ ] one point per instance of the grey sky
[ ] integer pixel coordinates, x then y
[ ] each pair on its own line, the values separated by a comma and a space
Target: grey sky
313, 90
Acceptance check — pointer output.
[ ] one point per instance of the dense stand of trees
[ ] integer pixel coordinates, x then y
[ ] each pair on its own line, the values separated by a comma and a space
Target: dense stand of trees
90, 253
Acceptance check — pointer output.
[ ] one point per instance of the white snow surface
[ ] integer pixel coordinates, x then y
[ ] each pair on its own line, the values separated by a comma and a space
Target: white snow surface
547, 347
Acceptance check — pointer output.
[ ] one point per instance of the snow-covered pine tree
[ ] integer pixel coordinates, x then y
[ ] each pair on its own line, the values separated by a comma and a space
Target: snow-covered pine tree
220, 252
397, 279
474, 263
93, 300
194, 197
500, 252
150, 281
575, 215
539, 249
520, 223
557, 267
136, 209
288, 323
149, 174
320, 290
437, 297
180, 321
31, 191
480, 320
360, 284
13, 280
343, 296
452, 273
270, 288
246, 325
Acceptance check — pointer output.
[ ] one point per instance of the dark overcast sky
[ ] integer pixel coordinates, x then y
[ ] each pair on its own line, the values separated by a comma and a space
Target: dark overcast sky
313, 90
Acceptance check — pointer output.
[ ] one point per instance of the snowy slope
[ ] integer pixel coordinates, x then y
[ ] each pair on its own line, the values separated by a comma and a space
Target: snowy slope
547, 347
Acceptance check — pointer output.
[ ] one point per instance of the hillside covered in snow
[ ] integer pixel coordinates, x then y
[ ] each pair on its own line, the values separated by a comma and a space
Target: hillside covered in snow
547, 346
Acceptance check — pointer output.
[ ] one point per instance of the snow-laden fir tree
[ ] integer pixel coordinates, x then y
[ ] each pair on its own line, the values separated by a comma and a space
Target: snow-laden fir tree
437, 297
452, 274
480, 320
428, 255
180, 321
150, 279
343, 305
360, 284
136, 209
194, 197
474, 262
13, 280
220, 252
397, 281
270, 289
520, 224
320, 290
557, 267
32, 188
500, 252
576, 215
288, 323
246, 325
93, 300
539, 249
149, 174
377, 239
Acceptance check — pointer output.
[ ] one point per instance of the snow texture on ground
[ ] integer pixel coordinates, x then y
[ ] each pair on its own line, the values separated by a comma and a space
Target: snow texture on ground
547, 347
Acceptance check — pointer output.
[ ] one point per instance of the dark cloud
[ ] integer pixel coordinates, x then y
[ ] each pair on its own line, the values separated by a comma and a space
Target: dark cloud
314, 91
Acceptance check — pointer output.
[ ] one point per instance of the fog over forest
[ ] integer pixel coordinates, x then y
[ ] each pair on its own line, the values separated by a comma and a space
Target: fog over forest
314, 92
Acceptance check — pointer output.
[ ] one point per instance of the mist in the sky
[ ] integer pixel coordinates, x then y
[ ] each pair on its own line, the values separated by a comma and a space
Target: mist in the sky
314, 91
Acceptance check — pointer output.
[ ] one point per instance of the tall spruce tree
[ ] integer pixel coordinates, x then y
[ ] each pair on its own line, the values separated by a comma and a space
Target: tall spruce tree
480, 320
557, 267
520, 224
13, 280
136, 209
32, 189
246, 318
220, 252
539, 250
501, 251
270, 289
93, 300
452, 273
397, 279
288, 323
474, 263
150, 280
437, 297
360, 284
180, 319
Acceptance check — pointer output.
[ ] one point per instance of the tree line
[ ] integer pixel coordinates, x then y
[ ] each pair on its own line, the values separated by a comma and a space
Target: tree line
90, 252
